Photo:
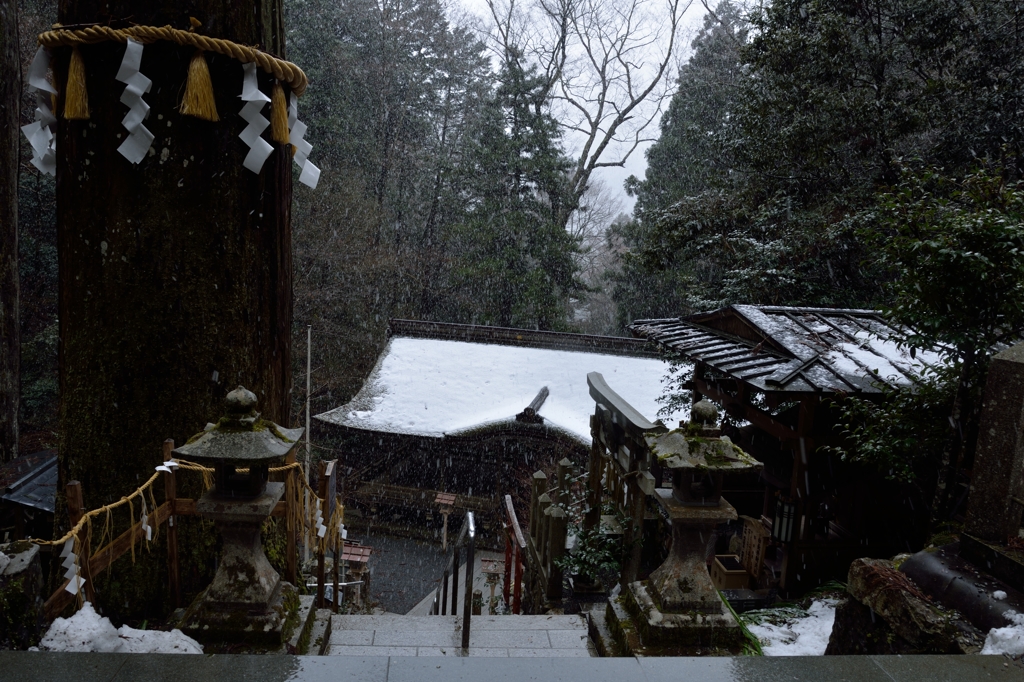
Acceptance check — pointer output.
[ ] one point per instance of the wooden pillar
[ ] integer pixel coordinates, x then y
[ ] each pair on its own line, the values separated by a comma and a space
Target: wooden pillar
76, 511
699, 374
799, 490
171, 497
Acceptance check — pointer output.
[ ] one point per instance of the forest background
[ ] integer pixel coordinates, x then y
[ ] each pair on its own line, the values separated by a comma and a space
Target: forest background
851, 153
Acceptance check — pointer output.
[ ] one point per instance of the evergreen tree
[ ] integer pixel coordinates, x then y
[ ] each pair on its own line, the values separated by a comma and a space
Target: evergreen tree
513, 261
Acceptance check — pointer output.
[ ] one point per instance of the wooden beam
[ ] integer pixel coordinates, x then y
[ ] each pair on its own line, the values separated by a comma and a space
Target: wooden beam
744, 410
101, 560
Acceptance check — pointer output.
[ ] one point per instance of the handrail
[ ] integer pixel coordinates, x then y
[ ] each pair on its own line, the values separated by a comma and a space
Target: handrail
451, 569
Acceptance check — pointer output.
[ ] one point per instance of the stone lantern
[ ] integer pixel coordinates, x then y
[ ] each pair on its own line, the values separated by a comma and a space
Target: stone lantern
247, 600
679, 602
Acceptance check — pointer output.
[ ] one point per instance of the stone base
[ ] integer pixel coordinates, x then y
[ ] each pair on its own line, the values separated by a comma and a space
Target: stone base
649, 632
21, 596
211, 623
1001, 561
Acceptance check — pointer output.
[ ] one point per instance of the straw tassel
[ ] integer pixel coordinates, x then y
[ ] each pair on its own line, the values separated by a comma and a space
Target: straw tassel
198, 100
278, 114
76, 97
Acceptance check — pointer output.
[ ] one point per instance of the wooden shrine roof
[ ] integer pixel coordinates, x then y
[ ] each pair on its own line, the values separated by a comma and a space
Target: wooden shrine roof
778, 349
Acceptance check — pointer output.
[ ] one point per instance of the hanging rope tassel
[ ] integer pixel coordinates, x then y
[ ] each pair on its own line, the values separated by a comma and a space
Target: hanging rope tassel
198, 100
278, 114
76, 97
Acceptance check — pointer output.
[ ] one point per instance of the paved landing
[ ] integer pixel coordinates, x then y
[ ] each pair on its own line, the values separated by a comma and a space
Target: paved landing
492, 636
479, 583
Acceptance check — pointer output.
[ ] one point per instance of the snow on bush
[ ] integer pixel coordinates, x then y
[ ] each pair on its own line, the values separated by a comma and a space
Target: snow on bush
793, 631
89, 631
1006, 640
4, 561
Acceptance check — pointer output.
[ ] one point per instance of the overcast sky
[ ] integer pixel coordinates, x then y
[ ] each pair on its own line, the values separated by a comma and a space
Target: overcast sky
613, 178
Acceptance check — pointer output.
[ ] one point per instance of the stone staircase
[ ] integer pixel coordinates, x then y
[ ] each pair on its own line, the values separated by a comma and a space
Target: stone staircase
494, 636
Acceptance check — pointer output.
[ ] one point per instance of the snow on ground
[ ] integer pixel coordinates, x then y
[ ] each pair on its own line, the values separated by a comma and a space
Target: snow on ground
798, 635
89, 631
4, 561
1007, 640
434, 387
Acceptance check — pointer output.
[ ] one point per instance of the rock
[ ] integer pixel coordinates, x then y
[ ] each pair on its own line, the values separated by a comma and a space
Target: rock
888, 614
21, 596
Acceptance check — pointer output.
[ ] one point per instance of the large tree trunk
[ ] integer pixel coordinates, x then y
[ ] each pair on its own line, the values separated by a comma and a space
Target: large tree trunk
10, 326
175, 274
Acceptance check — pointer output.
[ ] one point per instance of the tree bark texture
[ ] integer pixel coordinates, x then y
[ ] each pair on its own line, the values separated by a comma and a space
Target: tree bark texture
10, 326
175, 274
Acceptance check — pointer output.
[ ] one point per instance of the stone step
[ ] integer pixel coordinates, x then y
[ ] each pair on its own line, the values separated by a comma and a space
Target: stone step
498, 636
320, 635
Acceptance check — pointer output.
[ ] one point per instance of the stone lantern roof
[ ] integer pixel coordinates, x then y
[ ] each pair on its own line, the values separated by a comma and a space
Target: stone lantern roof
241, 435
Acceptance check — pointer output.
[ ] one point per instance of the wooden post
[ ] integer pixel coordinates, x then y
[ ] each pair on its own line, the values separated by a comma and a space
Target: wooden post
556, 550
339, 546
291, 532
76, 510
634, 537
592, 518
540, 484
543, 505
517, 586
171, 497
506, 582
444, 530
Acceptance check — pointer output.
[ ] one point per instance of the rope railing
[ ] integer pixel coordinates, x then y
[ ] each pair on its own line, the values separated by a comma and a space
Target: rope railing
300, 509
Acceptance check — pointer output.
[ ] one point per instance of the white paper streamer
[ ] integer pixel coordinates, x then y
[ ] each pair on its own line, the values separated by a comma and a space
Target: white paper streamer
76, 584
259, 149
37, 72
40, 133
69, 561
75, 581
69, 547
139, 139
310, 174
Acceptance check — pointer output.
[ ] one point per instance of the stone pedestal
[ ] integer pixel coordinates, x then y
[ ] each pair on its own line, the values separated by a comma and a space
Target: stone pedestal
21, 595
247, 601
678, 610
682, 583
993, 515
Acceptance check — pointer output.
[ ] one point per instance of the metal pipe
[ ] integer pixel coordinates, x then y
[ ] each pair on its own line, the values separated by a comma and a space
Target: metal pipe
468, 605
444, 593
455, 581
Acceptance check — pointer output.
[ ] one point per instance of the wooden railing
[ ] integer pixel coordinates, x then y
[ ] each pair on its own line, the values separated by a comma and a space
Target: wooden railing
515, 550
91, 564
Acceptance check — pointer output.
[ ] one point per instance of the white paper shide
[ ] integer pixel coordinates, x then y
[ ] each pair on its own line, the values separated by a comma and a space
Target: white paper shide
139, 139
40, 132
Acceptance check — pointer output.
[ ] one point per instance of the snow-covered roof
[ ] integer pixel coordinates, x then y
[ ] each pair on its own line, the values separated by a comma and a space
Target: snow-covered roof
444, 387
776, 348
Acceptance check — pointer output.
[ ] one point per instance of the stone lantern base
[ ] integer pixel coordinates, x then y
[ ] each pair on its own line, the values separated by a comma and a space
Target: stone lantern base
679, 611
247, 601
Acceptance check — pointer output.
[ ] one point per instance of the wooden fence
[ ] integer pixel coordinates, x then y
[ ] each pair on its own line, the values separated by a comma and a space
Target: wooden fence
85, 565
